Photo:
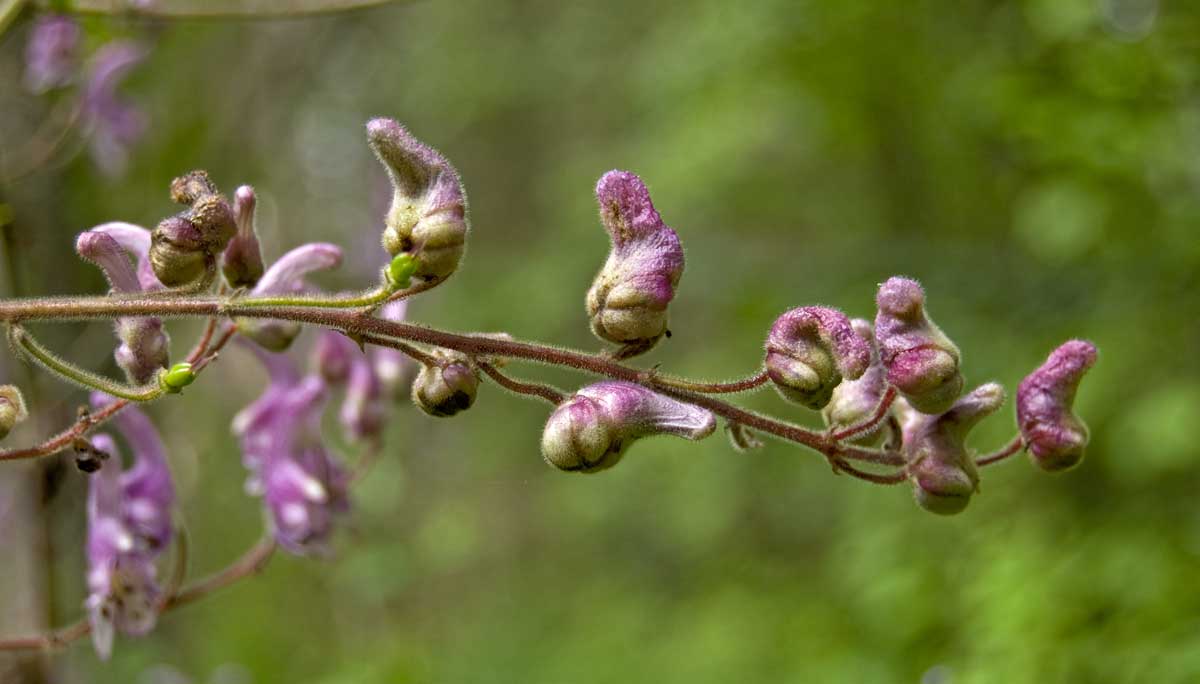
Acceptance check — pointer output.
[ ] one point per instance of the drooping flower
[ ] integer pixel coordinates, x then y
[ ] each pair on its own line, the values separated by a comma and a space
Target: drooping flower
1053, 434
627, 302
390, 365
921, 361
809, 352
940, 467
129, 526
428, 213
339, 361
114, 125
52, 53
286, 277
145, 346
591, 430
853, 401
303, 486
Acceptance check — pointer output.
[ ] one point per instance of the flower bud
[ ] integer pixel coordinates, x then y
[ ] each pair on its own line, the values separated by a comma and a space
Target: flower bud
242, 261
854, 401
428, 214
941, 469
183, 247
1053, 434
627, 302
591, 430
810, 350
177, 377
12, 409
921, 361
444, 390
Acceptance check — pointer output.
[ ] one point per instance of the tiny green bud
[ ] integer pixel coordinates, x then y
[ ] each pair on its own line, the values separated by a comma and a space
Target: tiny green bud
401, 270
12, 409
177, 377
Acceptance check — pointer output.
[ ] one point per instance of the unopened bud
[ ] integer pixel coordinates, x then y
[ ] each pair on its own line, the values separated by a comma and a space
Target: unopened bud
183, 247
810, 350
191, 186
242, 261
12, 409
627, 302
921, 361
176, 378
1053, 434
591, 430
428, 215
941, 469
854, 401
145, 348
444, 390
177, 252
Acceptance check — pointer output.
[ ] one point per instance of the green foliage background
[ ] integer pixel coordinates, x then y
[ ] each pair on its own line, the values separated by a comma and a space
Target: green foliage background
1034, 163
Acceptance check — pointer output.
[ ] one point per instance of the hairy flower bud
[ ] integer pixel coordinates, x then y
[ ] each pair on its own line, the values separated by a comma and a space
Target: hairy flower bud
1053, 434
921, 361
185, 246
428, 214
941, 469
445, 389
12, 409
854, 401
627, 302
242, 262
591, 430
810, 350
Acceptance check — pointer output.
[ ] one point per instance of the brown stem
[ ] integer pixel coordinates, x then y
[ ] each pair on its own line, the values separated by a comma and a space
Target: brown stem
1013, 447
532, 389
709, 387
407, 349
881, 410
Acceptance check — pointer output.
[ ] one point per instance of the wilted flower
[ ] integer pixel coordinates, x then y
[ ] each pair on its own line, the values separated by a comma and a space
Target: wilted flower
12, 409
113, 124
184, 247
286, 277
854, 401
242, 261
428, 214
941, 469
591, 430
921, 361
302, 485
52, 53
129, 525
810, 350
627, 302
1053, 434
145, 346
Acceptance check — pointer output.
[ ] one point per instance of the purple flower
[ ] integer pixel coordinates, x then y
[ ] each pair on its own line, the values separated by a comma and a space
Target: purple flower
941, 469
627, 302
340, 361
145, 346
921, 361
286, 277
114, 124
52, 53
129, 526
1053, 434
428, 214
810, 350
591, 430
853, 401
390, 364
242, 261
303, 487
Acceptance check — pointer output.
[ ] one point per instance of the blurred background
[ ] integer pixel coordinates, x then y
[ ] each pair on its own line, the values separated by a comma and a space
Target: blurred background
1035, 164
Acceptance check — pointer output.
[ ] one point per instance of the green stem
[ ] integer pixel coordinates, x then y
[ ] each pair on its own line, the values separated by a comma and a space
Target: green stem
369, 298
69, 371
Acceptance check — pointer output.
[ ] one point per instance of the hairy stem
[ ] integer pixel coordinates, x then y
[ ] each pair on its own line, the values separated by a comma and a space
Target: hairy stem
528, 388
1013, 447
21, 338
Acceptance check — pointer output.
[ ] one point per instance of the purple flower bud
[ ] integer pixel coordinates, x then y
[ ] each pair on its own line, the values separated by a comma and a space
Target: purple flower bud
12, 409
627, 302
286, 277
854, 401
921, 361
391, 365
242, 261
184, 247
591, 430
135, 240
52, 53
129, 525
428, 214
303, 487
940, 467
332, 356
1053, 434
445, 389
145, 346
114, 125
362, 411
810, 350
